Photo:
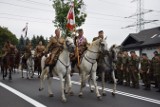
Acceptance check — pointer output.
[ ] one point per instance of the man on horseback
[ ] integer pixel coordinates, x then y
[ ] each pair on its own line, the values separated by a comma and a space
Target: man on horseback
81, 43
54, 46
39, 49
27, 52
7, 49
100, 35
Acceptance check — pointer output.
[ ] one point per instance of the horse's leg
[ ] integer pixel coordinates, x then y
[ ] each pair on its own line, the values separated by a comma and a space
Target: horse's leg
49, 88
95, 84
115, 83
10, 73
42, 78
90, 84
103, 83
69, 84
82, 80
62, 88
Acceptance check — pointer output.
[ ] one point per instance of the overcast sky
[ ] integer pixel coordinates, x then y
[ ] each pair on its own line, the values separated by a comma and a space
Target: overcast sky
107, 15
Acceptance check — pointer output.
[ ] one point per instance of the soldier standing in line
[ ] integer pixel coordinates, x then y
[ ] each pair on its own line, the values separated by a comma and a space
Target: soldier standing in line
145, 71
119, 69
133, 69
156, 70
152, 70
126, 73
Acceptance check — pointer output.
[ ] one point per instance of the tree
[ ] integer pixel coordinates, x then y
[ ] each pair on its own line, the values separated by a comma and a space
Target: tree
61, 10
5, 35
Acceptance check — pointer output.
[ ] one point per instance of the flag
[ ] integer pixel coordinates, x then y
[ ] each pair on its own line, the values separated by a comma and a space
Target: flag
71, 18
25, 29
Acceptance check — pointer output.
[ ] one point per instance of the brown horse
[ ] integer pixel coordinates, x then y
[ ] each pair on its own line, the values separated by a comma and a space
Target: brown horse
37, 61
8, 64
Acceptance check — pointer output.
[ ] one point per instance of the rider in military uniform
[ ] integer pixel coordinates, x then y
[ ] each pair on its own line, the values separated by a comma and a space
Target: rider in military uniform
133, 69
145, 70
27, 52
80, 42
156, 70
55, 46
100, 35
39, 49
7, 49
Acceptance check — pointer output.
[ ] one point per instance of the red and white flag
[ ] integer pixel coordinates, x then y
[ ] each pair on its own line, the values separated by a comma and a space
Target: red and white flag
71, 18
25, 29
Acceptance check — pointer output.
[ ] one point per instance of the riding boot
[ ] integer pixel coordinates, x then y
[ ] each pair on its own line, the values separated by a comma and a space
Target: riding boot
50, 70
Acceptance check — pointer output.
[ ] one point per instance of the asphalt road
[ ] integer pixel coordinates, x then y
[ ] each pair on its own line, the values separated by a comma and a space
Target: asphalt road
21, 92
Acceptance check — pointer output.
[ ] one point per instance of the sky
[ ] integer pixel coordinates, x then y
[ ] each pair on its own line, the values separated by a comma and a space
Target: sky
106, 15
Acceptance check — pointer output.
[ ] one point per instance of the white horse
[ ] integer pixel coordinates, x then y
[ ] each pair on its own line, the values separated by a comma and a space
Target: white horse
88, 64
62, 69
29, 66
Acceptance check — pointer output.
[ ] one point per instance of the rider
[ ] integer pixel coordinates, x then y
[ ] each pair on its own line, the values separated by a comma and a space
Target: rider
39, 49
7, 48
27, 52
54, 46
100, 35
81, 43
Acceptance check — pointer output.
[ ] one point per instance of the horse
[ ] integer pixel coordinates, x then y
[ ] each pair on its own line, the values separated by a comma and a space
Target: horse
28, 65
37, 62
62, 69
88, 64
8, 64
106, 65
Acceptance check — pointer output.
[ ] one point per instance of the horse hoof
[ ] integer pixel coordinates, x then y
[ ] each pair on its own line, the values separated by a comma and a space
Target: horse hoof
64, 100
40, 89
104, 94
10, 78
22, 77
92, 91
99, 98
80, 95
71, 93
113, 94
51, 95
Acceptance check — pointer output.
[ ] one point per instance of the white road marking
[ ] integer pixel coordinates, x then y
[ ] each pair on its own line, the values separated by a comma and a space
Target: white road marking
155, 101
23, 96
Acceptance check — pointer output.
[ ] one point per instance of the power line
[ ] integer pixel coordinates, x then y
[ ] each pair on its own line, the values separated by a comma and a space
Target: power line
26, 7
34, 2
17, 19
26, 16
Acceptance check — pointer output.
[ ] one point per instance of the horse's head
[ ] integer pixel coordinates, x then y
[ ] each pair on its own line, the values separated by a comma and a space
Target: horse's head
114, 50
103, 45
69, 43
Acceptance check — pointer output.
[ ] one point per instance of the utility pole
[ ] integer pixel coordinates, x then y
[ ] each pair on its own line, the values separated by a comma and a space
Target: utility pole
140, 22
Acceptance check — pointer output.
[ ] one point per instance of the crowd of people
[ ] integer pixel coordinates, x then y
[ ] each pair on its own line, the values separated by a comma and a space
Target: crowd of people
129, 68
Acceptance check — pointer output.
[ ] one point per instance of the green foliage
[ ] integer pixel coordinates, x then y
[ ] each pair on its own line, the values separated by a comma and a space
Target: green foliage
5, 35
61, 10
35, 40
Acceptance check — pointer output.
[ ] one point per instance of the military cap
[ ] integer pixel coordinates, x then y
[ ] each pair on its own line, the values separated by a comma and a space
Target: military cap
155, 52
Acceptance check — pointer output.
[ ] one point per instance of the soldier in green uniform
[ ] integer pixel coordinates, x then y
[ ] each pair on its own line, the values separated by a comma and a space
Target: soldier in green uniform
145, 71
152, 70
125, 70
133, 69
119, 69
156, 70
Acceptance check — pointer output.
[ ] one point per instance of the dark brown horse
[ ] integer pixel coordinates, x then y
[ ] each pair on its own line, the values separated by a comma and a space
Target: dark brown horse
38, 65
8, 64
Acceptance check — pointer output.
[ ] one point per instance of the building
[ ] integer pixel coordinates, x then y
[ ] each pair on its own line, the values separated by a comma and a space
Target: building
146, 41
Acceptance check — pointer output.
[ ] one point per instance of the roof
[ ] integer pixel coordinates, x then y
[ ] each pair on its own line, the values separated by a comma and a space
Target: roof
145, 38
